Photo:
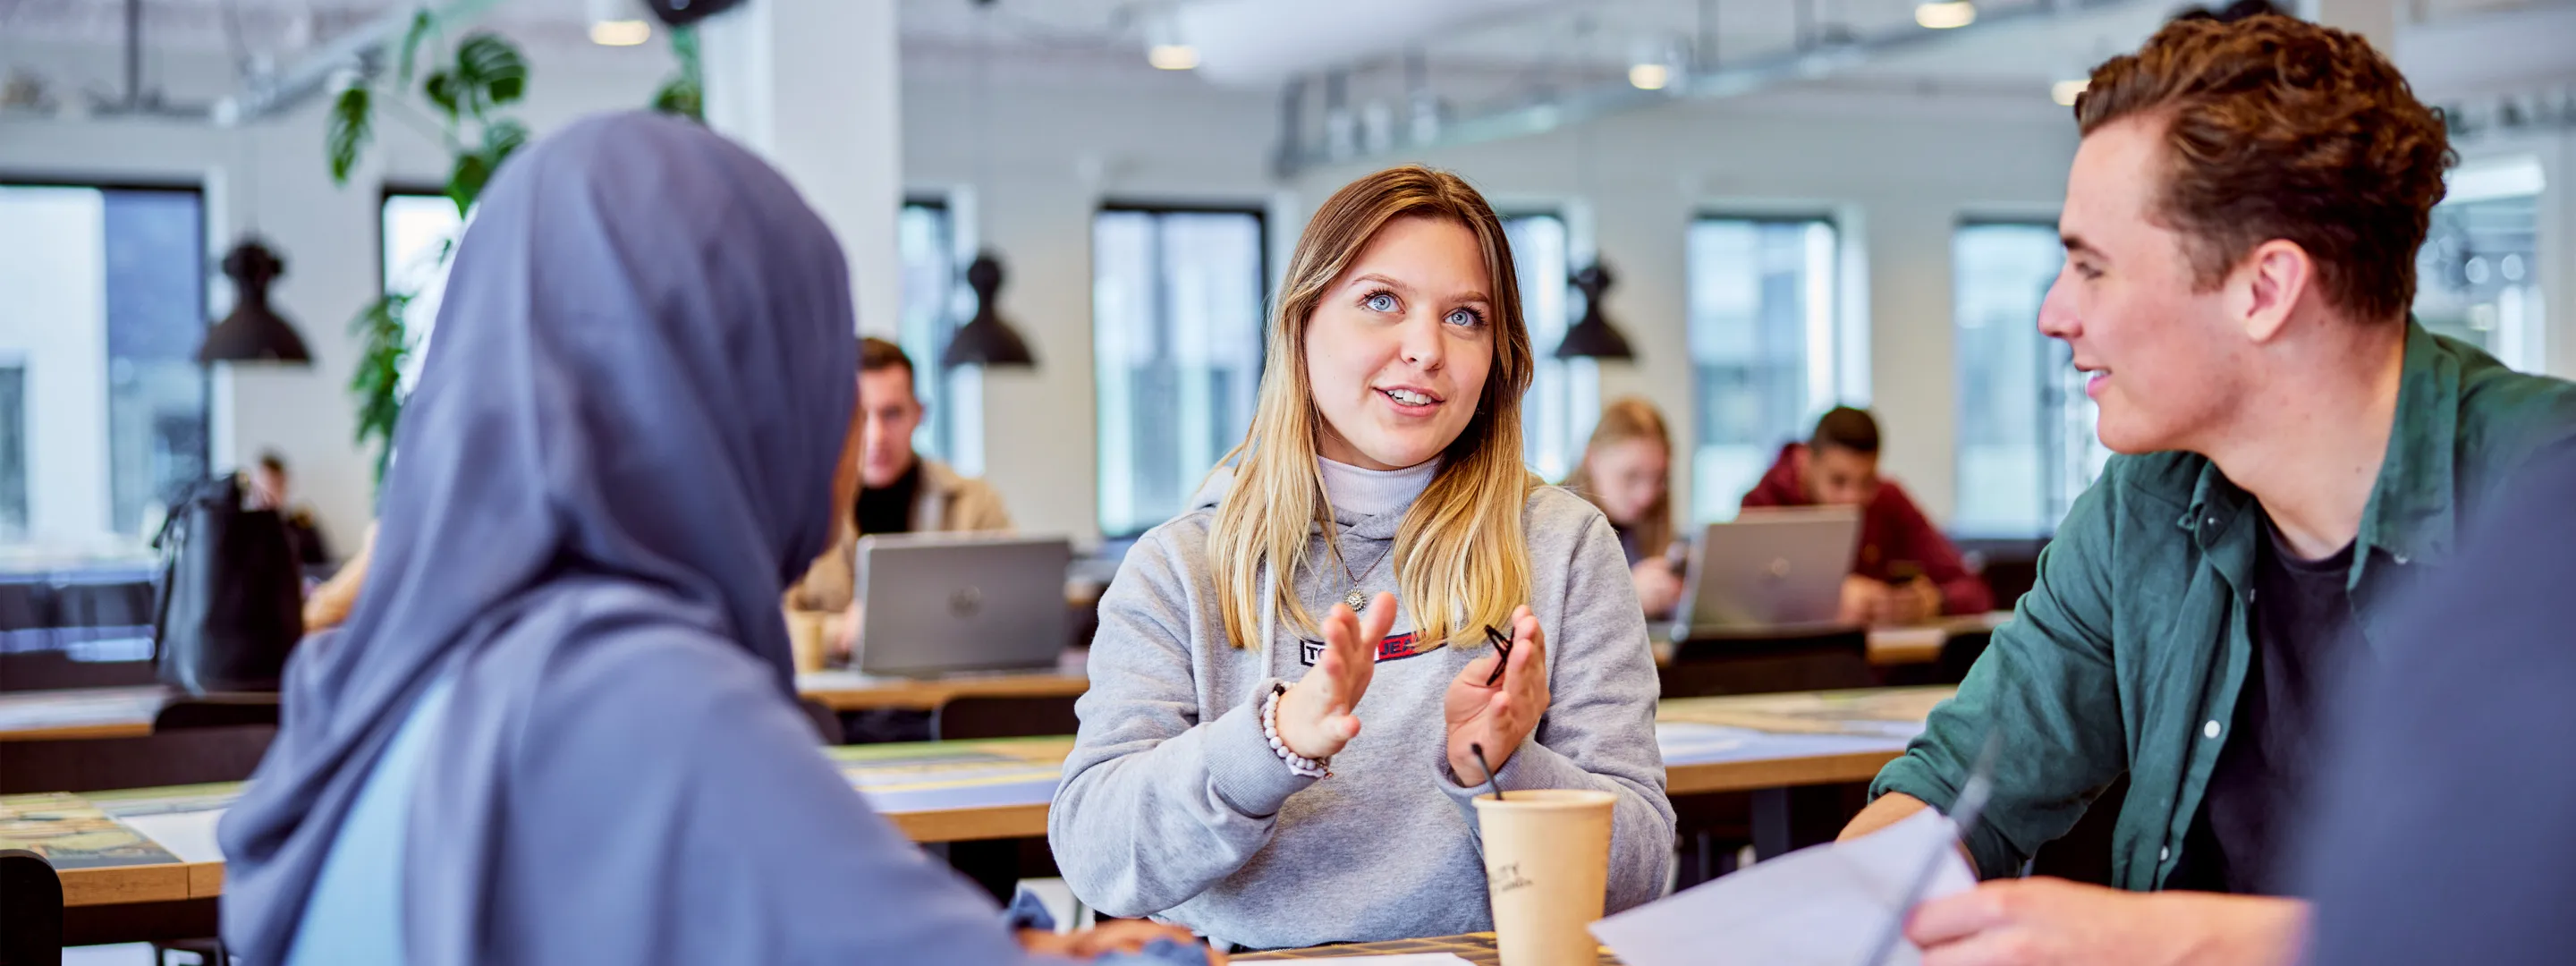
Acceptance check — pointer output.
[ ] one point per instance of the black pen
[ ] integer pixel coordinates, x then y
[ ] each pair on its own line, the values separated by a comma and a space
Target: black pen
1503, 647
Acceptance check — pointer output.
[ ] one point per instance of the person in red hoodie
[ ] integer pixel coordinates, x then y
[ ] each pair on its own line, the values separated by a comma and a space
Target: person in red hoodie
1905, 570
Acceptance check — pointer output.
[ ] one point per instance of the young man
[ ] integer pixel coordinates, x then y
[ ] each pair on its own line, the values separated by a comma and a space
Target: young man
1905, 571
2241, 224
901, 491
269, 489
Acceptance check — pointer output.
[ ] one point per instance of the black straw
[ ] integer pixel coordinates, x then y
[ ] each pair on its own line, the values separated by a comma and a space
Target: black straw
1479, 749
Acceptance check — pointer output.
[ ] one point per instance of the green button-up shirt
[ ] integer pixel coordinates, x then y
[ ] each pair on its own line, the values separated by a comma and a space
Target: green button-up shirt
2129, 652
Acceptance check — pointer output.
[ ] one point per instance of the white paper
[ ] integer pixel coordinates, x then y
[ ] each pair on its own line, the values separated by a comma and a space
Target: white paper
1402, 959
1826, 905
188, 835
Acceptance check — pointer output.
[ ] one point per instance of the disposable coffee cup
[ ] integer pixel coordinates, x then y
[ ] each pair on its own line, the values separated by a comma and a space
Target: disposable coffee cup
1547, 868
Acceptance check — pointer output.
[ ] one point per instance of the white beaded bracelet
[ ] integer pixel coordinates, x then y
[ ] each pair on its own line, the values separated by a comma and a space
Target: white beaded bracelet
1299, 764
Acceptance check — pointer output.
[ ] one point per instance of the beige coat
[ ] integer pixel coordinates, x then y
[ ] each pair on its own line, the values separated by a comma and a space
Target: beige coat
947, 503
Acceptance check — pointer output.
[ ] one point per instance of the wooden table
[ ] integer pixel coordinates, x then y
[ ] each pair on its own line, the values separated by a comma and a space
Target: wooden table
970, 790
127, 712
1891, 646
1477, 948
850, 691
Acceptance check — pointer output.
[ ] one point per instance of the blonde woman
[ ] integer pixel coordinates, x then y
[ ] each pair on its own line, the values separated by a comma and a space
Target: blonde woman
1627, 472
1341, 569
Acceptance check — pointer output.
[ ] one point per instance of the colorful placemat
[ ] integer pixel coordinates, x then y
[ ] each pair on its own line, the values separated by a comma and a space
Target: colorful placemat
72, 833
1477, 948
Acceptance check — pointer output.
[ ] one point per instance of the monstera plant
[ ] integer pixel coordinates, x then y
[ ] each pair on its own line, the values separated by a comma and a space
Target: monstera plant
458, 103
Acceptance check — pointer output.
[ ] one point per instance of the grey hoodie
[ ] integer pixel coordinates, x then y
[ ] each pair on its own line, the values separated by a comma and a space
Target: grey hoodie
1173, 804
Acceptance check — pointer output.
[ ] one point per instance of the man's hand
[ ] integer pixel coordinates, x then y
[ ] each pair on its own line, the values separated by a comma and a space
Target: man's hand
1657, 586
1116, 936
1911, 602
2044, 921
1315, 717
1860, 599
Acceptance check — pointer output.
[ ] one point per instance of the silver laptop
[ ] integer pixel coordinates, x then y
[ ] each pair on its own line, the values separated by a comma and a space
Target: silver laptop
939, 604
1779, 569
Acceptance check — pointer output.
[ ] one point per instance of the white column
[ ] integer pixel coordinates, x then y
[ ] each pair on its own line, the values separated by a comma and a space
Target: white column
812, 86
2375, 20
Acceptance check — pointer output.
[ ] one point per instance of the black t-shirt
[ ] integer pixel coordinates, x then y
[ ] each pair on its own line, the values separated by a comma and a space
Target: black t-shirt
2250, 813
889, 510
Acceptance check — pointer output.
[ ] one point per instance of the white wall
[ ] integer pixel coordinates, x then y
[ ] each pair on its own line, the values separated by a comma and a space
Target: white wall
270, 178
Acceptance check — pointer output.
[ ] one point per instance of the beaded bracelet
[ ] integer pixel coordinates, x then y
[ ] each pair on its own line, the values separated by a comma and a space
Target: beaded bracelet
1299, 764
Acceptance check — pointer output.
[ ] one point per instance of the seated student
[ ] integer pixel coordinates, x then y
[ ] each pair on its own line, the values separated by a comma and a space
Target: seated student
558, 727
1905, 571
2241, 224
1627, 472
900, 491
270, 490
1221, 778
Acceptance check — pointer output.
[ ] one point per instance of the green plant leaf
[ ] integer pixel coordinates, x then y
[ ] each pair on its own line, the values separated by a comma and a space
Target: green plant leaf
349, 128
421, 26
376, 383
680, 96
465, 181
445, 90
493, 68
500, 138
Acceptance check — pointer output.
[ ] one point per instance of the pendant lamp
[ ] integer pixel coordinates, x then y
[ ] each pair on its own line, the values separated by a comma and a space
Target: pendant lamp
986, 340
254, 332
1593, 337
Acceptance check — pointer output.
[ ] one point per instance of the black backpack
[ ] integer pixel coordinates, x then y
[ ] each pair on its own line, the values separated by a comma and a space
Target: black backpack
231, 596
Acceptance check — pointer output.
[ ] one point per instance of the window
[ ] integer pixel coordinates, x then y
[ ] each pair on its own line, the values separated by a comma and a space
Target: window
1564, 396
1762, 346
2026, 441
105, 414
418, 228
2477, 278
1176, 299
935, 303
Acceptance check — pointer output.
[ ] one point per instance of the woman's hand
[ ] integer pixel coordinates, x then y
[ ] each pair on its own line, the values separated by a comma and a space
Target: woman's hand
1314, 717
1115, 936
1658, 588
1501, 716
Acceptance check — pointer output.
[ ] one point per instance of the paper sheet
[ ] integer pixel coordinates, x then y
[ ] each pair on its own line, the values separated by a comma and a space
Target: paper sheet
1825, 905
188, 835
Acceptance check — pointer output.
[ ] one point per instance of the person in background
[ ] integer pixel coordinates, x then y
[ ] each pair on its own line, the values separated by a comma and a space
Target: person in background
1347, 559
2241, 226
269, 491
1627, 472
901, 491
559, 726
1905, 571
330, 601
2444, 833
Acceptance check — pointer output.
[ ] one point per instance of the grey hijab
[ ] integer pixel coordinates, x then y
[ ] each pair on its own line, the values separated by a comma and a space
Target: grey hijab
621, 450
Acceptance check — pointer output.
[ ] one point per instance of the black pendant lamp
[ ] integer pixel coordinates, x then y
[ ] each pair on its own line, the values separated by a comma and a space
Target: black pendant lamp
254, 332
1593, 337
986, 340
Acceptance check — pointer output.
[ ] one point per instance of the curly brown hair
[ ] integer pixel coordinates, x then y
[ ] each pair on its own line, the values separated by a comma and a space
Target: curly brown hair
2280, 128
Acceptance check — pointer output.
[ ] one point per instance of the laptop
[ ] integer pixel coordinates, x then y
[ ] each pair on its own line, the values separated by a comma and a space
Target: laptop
937, 604
1769, 569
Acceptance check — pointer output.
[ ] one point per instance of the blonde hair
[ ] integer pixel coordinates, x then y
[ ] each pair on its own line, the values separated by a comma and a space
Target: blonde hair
1461, 560
1631, 418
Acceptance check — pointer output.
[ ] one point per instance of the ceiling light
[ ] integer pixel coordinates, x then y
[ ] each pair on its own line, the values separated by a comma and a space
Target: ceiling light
1944, 16
620, 33
1649, 77
1173, 56
2064, 92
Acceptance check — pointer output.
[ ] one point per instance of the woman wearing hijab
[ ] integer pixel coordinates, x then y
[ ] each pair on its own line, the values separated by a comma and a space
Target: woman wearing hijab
559, 724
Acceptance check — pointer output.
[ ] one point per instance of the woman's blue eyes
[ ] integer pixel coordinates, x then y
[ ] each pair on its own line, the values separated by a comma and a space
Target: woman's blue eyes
1385, 302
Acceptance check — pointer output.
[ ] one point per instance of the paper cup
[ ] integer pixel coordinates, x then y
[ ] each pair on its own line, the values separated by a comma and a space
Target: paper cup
1547, 867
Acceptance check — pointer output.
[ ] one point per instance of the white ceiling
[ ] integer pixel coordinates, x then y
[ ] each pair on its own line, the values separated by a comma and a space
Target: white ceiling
1592, 38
